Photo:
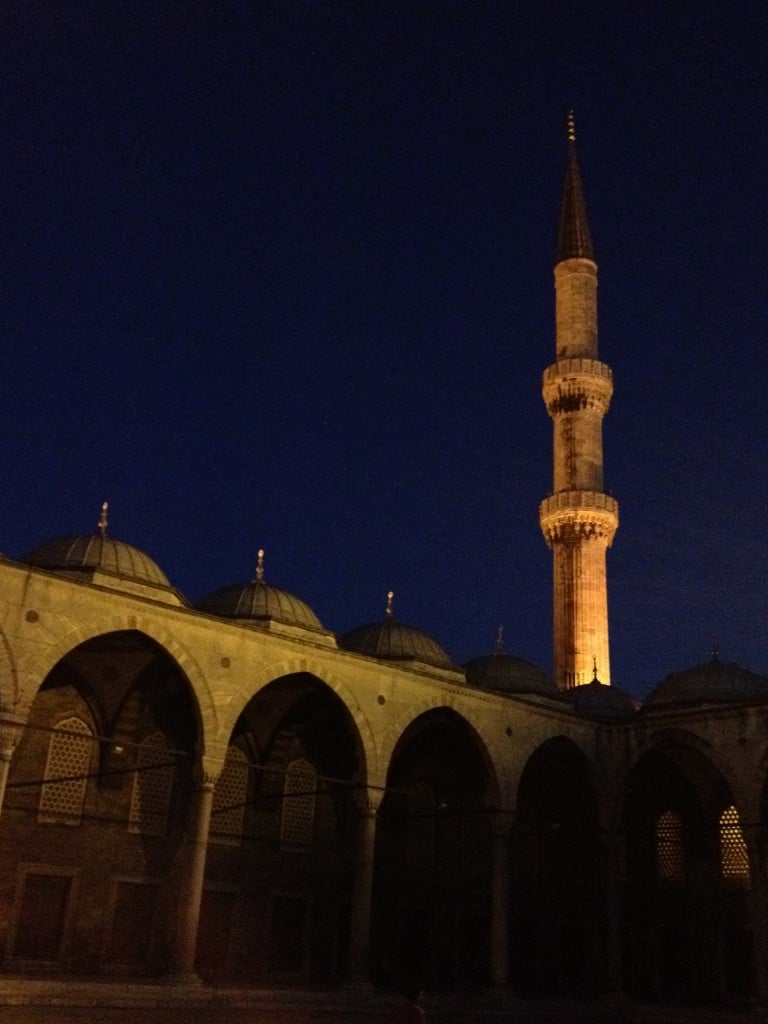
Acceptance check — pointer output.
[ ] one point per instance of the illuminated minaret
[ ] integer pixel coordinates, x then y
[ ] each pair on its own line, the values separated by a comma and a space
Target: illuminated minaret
578, 519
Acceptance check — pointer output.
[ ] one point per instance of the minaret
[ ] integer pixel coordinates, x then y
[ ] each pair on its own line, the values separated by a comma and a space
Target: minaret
578, 519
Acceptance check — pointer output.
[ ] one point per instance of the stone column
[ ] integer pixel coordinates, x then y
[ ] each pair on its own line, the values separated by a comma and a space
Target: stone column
10, 733
189, 885
501, 825
362, 890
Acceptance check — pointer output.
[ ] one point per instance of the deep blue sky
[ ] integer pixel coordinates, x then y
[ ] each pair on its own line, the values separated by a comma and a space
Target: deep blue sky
280, 275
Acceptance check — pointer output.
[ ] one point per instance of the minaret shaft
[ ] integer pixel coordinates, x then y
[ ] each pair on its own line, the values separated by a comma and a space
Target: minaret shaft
578, 520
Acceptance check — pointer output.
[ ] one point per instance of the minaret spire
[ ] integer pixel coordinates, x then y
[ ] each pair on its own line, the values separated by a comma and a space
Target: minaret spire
573, 239
578, 519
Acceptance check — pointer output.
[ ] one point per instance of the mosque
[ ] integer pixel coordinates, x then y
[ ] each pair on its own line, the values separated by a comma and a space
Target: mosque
233, 794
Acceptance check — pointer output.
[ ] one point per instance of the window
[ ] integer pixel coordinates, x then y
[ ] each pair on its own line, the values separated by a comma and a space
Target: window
152, 786
66, 773
229, 798
734, 862
297, 825
670, 862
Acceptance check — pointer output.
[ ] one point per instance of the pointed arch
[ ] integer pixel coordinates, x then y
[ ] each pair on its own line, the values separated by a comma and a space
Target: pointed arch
497, 776
261, 677
147, 625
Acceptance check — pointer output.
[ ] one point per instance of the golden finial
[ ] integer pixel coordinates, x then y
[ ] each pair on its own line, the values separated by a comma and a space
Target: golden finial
571, 126
390, 596
500, 640
260, 567
103, 519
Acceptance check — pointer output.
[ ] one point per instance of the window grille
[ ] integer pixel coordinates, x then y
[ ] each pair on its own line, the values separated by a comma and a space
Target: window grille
670, 862
66, 773
229, 796
734, 861
152, 786
297, 825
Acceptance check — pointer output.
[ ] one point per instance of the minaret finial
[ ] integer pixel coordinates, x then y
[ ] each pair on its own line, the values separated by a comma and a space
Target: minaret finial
390, 597
594, 669
571, 126
103, 519
260, 567
500, 640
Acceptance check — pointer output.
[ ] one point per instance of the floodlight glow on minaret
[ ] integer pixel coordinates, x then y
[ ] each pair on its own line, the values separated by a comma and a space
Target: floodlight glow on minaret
578, 519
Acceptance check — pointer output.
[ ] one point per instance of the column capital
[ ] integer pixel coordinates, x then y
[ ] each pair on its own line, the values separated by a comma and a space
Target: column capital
368, 800
11, 728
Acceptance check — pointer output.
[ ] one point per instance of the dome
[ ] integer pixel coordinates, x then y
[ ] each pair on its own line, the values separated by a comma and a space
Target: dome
394, 641
259, 601
714, 683
509, 674
604, 703
86, 554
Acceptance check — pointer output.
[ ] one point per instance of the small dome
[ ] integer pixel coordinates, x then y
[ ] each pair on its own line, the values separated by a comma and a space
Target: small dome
508, 674
394, 641
96, 552
260, 602
604, 703
714, 683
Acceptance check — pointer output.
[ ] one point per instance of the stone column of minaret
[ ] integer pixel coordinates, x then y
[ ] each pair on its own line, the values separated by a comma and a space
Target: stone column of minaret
578, 519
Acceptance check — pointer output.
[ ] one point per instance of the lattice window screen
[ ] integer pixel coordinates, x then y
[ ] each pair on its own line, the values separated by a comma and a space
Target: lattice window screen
152, 787
229, 796
734, 860
297, 825
69, 760
670, 861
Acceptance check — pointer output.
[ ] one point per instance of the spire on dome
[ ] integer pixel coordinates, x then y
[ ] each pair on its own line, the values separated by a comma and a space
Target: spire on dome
573, 239
103, 519
259, 578
390, 598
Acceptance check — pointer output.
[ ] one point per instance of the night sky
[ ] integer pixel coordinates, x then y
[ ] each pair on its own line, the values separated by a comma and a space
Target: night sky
279, 275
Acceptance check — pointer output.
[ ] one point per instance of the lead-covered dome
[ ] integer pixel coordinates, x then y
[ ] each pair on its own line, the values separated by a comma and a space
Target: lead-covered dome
259, 601
716, 682
603, 703
99, 558
509, 674
394, 641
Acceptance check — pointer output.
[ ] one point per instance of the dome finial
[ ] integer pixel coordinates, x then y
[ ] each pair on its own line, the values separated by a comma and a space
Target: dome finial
500, 640
260, 567
103, 519
571, 126
390, 596
594, 671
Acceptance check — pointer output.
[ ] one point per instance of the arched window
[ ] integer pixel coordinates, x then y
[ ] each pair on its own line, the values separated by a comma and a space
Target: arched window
66, 773
670, 861
229, 796
734, 862
421, 827
152, 787
297, 824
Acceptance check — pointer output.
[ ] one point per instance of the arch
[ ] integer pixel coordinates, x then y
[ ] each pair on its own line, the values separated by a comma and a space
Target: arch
44, 663
497, 776
262, 677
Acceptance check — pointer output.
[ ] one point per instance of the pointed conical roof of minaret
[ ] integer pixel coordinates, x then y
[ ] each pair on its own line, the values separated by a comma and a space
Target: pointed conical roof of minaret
573, 239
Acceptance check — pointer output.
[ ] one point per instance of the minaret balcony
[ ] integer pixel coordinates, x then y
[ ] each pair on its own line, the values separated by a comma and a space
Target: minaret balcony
572, 516
572, 384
